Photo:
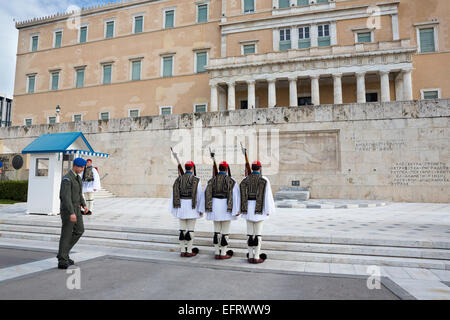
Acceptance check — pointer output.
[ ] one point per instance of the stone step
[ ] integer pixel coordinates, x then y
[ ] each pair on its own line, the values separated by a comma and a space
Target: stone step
291, 195
206, 240
272, 254
336, 240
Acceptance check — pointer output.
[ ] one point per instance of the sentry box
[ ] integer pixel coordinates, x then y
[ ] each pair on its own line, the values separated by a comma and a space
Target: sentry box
51, 157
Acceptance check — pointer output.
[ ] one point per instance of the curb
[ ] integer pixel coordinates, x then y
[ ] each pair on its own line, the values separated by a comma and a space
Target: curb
301, 205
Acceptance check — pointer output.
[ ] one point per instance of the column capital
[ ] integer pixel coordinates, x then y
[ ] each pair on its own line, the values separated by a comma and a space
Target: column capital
384, 72
315, 76
360, 74
230, 83
292, 78
271, 80
213, 83
251, 81
407, 70
337, 75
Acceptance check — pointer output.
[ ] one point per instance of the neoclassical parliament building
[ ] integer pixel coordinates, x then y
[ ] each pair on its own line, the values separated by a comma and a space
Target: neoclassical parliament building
149, 57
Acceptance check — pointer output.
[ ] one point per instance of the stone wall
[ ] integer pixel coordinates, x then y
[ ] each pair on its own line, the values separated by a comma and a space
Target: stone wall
396, 151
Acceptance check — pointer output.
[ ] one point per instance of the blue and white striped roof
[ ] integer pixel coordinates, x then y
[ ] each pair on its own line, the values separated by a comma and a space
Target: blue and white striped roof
87, 153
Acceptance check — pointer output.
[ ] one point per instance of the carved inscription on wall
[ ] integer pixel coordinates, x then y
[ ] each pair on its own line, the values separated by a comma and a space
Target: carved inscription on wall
309, 151
419, 173
383, 145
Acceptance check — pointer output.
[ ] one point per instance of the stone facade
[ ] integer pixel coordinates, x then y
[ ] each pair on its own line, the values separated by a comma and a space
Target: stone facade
396, 151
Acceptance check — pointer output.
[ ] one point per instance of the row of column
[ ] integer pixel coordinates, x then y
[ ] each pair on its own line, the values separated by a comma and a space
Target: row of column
403, 85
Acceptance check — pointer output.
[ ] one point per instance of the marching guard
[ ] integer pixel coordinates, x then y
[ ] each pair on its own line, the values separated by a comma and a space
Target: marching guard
222, 204
185, 204
256, 205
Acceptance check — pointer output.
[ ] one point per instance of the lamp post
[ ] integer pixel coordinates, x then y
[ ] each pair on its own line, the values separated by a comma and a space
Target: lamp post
58, 110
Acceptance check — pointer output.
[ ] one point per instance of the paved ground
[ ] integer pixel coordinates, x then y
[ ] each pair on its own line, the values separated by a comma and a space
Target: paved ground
12, 257
114, 278
415, 221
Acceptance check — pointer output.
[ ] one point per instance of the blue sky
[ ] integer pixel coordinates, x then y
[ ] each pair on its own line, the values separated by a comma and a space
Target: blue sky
22, 10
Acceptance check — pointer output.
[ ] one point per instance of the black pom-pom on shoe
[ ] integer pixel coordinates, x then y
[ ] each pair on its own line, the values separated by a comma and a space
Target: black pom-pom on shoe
263, 256
195, 250
230, 253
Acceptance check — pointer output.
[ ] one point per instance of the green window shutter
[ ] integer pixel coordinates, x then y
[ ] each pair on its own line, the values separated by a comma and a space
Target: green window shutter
55, 81
302, 2
167, 66
58, 39
80, 78
107, 74
322, 1
109, 29
104, 116
31, 84
364, 37
200, 108
166, 110
138, 24
169, 19
430, 95
249, 6
83, 34
201, 62
77, 118
283, 3
134, 113
52, 120
285, 45
324, 41
427, 40
28, 122
136, 70
35, 41
249, 48
202, 13
304, 43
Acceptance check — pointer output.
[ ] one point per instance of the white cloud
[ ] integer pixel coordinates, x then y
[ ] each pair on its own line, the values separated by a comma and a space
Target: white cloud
22, 10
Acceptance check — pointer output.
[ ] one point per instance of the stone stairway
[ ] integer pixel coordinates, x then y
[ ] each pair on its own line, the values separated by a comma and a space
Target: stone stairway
381, 252
103, 193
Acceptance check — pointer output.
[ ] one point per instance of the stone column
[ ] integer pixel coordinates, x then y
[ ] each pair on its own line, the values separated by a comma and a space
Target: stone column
214, 98
361, 87
407, 84
337, 81
399, 87
315, 94
293, 100
251, 99
272, 93
231, 96
313, 33
385, 88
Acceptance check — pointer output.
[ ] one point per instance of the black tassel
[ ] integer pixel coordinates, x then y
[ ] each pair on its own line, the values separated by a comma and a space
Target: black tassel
215, 239
181, 235
195, 171
255, 241
229, 171
250, 240
224, 241
187, 236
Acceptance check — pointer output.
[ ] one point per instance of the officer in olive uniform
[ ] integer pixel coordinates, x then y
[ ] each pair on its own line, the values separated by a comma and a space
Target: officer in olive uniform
72, 203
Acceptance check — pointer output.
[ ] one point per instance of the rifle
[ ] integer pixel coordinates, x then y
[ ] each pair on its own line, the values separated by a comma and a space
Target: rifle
248, 170
180, 168
215, 170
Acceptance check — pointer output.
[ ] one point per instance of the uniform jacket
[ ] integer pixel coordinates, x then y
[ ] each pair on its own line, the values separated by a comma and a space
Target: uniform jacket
71, 194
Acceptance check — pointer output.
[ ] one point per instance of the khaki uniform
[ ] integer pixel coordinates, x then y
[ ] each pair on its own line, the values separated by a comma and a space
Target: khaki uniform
71, 199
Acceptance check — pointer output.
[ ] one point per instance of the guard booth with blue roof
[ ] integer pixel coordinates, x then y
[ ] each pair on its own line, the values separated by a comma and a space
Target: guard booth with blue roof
51, 157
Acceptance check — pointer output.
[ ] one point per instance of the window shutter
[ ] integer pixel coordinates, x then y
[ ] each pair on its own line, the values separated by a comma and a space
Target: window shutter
167, 66
55, 81
249, 6
201, 61
31, 82
427, 40
80, 78
430, 95
302, 2
138, 24
249, 48
202, 13
364, 37
83, 34
34, 45
169, 19
109, 29
283, 3
58, 39
136, 70
107, 74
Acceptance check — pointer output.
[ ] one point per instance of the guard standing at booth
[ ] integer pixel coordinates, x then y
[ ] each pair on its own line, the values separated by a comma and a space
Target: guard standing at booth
72, 205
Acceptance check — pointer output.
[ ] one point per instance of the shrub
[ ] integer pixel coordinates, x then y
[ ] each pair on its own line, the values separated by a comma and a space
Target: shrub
14, 190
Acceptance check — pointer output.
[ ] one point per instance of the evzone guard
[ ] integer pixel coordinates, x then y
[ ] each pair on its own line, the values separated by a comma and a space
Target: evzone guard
222, 204
185, 205
256, 205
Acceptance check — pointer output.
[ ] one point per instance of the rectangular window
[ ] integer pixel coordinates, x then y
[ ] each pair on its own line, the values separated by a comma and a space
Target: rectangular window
285, 39
169, 19
138, 24
80, 78
135, 70
324, 35
55, 80
427, 40
283, 3
202, 13
249, 6
431, 94
51, 120
200, 108
109, 29
31, 83
42, 167
165, 110
58, 39
28, 122
304, 39
322, 1
134, 113
77, 118
104, 116
249, 48
167, 66
302, 2
83, 34
34, 43
107, 73
201, 61
364, 37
